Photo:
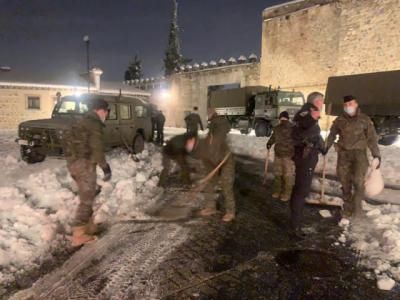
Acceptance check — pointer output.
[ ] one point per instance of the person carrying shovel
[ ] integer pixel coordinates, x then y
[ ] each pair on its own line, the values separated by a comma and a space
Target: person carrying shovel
215, 154
283, 162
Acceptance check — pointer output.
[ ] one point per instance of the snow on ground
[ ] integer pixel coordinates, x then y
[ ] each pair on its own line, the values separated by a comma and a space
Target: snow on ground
37, 202
376, 238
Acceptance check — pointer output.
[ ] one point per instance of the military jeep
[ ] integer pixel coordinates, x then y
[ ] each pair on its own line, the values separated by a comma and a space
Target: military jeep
128, 125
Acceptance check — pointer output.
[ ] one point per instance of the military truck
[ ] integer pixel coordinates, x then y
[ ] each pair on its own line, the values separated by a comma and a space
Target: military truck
128, 125
378, 95
255, 107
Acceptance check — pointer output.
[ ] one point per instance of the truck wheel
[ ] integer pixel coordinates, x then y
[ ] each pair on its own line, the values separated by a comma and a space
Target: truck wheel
31, 155
387, 140
261, 129
138, 144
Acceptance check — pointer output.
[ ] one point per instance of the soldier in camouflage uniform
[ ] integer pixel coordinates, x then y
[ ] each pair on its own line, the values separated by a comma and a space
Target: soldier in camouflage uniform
84, 150
214, 150
283, 162
177, 149
193, 121
356, 133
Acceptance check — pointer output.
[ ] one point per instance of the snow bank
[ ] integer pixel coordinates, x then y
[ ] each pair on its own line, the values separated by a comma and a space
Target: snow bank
377, 240
38, 202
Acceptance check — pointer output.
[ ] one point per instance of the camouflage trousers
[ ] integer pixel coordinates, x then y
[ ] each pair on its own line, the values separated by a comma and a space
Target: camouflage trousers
183, 165
84, 173
223, 179
351, 168
283, 176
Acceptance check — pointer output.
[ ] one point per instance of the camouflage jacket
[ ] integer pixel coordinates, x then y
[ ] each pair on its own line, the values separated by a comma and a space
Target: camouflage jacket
282, 138
85, 140
176, 146
219, 126
210, 151
160, 120
193, 120
355, 133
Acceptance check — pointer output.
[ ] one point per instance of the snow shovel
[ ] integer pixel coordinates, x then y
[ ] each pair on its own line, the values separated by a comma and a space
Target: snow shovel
266, 167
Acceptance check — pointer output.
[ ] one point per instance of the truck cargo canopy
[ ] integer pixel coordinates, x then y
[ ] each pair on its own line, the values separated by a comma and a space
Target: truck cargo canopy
377, 93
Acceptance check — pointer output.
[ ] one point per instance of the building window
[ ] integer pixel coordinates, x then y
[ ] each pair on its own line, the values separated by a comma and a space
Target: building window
33, 102
125, 110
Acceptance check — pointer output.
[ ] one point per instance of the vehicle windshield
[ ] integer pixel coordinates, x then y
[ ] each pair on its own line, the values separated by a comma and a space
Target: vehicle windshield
291, 99
71, 106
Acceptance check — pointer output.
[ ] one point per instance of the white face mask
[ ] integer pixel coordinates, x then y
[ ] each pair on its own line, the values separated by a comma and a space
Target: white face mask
350, 110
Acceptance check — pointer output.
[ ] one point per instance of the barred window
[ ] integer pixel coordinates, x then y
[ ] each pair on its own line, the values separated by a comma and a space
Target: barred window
33, 102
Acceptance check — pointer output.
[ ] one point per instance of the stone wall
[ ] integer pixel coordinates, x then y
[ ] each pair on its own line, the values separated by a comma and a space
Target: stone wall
14, 105
190, 89
305, 42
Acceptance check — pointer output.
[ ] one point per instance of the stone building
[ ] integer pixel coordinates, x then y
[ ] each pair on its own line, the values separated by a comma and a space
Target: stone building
189, 86
30, 100
303, 43
306, 41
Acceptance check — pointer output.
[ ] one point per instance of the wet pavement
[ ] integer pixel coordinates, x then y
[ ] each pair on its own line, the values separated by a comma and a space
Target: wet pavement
253, 257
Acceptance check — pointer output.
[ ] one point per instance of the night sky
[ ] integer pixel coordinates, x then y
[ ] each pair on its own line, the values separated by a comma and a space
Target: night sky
42, 39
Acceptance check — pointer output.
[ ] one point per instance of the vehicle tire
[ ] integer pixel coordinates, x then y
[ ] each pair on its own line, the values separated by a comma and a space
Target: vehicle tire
31, 155
387, 140
261, 128
269, 130
138, 144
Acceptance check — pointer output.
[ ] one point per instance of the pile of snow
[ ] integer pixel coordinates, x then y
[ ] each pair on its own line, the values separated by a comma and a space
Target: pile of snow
38, 205
377, 240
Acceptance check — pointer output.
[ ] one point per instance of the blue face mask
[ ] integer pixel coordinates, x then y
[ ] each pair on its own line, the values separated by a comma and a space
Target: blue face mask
350, 110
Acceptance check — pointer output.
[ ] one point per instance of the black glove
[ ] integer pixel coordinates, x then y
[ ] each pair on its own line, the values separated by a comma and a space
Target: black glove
379, 161
107, 172
269, 146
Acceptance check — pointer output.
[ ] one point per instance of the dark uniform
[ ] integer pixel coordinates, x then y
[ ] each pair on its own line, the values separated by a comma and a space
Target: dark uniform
307, 145
160, 121
193, 121
84, 150
212, 151
283, 161
356, 134
175, 150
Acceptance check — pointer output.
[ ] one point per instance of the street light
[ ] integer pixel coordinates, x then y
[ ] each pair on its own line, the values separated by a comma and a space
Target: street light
86, 39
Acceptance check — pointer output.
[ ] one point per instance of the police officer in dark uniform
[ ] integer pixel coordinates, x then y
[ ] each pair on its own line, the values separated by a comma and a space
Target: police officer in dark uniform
308, 144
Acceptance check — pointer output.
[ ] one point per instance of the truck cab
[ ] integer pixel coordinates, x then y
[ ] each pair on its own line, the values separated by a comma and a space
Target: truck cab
255, 107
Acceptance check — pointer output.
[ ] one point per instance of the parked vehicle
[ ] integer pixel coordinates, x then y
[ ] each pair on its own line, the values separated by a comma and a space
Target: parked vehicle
255, 107
128, 125
378, 95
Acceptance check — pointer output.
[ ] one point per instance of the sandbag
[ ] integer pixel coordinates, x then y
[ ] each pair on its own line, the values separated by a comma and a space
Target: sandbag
373, 183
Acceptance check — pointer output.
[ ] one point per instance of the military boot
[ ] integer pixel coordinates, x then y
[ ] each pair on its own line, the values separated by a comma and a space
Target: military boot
91, 227
80, 237
228, 217
287, 188
277, 186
